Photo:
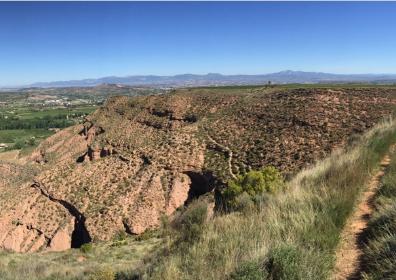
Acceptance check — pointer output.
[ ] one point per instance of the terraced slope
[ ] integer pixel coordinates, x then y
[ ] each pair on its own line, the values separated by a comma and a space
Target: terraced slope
136, 159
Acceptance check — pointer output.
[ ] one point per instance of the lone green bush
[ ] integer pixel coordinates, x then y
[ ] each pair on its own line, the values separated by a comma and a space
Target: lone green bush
253, 183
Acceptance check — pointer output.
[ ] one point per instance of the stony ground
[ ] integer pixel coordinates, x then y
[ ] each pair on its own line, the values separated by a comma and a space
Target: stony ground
136, 159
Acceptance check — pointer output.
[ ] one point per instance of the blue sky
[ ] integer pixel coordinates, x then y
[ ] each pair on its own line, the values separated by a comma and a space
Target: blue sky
61, 41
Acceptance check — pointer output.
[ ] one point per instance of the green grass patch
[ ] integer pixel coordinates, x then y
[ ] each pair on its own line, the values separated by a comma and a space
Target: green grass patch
59, 111
15, 135
25, 126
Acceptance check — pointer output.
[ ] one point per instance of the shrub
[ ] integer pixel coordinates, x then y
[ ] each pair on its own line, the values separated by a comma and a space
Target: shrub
190, 223
103, 274
86, 248
19, 144
120, 236
244, 203
253, 183
249, 271
284, 263
31, 141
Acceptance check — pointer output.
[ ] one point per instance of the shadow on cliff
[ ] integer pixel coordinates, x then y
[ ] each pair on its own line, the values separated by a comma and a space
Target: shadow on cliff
201, 183
80, 234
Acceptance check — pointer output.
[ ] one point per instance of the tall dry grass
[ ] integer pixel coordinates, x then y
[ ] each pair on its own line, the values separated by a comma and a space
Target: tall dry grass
107, 258
379, 254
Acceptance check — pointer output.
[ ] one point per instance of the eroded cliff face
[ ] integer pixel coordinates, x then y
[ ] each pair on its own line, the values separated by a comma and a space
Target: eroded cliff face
137, 159
107, 175
28, 221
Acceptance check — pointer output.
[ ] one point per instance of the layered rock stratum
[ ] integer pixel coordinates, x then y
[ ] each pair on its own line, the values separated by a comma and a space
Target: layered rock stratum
137, 159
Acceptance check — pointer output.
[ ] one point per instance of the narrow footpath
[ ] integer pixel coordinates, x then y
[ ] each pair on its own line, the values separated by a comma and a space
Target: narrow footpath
350, 250
228, 152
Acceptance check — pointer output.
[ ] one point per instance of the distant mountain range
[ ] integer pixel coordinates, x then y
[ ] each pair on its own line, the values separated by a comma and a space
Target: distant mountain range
214, 79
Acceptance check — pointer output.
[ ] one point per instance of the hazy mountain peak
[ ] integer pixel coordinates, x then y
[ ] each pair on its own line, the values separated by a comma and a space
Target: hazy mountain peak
282, 77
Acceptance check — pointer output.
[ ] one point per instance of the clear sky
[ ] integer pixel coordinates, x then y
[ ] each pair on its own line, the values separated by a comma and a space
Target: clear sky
61, 41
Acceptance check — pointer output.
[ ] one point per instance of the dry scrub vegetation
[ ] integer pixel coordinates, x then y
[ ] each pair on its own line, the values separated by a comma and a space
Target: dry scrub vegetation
292, 235
135, 160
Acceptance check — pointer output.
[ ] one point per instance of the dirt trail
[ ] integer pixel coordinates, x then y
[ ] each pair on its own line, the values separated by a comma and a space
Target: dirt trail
228, 151
350, 250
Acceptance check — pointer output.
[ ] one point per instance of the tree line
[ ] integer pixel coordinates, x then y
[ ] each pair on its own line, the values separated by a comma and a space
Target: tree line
43, 123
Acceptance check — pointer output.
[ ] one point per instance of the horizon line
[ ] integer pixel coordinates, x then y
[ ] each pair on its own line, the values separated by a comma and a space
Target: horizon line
191, 73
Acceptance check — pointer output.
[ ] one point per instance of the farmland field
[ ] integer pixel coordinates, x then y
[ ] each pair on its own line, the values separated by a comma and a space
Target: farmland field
27, 116
25, 126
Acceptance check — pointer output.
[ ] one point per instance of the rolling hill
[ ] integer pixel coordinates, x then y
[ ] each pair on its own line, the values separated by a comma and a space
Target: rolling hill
138, 158
211, 79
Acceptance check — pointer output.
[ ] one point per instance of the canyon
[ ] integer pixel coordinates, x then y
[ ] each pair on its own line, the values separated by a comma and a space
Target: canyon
136, 159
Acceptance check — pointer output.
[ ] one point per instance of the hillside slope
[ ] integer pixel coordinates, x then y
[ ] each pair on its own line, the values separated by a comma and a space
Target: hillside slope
136, 159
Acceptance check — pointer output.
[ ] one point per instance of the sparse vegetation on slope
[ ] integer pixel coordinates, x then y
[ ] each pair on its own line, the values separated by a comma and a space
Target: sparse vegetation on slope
136, 161
288, 235
293, 235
